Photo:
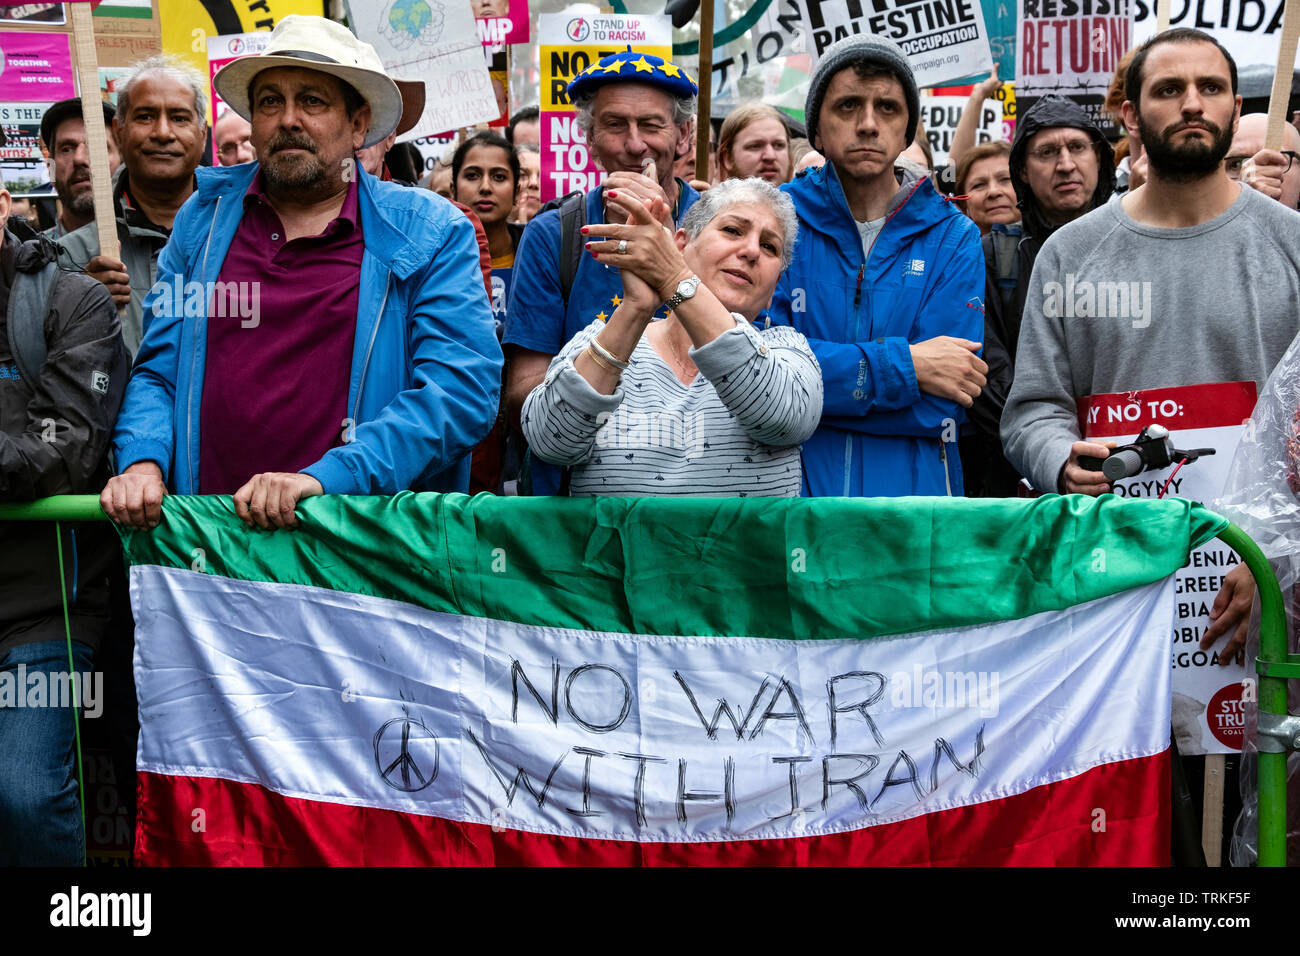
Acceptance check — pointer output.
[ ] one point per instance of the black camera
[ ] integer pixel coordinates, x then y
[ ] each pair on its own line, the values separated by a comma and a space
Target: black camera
1152, 450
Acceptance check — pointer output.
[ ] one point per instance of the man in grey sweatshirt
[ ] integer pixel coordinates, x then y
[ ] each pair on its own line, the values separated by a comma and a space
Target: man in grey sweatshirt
1189, 279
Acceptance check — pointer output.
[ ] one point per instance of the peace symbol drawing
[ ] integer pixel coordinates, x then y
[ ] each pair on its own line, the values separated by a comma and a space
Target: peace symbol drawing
406, 754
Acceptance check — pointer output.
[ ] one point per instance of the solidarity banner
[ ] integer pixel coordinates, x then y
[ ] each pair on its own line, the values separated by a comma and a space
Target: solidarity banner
568, 45
1208, 710
1250, 30
1071, 48
440, 679
945, 40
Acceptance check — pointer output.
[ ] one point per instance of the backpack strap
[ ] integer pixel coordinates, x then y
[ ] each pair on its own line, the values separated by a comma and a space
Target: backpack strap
573, 216
29, 304
1006, 259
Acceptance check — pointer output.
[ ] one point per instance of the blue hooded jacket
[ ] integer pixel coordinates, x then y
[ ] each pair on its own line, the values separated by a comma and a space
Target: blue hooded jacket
880, 435
426, 367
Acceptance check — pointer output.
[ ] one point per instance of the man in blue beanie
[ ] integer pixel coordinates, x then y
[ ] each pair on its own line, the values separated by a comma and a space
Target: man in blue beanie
887, 283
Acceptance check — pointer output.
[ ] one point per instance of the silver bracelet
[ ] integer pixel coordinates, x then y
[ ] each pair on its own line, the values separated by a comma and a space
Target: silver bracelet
607, 355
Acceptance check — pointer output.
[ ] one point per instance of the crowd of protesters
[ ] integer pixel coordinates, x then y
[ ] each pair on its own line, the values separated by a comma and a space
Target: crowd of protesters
811, 315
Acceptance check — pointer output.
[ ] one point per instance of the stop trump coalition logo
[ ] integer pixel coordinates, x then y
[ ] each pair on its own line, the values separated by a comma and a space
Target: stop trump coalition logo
1226, 715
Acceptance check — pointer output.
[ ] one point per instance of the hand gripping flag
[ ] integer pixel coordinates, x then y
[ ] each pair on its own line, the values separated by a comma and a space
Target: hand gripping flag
447, 680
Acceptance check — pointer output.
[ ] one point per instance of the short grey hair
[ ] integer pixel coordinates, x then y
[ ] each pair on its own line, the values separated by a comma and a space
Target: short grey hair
731, 192
171, 67
683, 108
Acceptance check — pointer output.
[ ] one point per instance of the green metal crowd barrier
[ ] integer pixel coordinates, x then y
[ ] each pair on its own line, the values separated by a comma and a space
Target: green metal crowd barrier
1279, 732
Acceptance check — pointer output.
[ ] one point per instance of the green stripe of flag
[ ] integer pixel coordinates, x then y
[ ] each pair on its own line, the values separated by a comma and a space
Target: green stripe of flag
137, 11
777, 568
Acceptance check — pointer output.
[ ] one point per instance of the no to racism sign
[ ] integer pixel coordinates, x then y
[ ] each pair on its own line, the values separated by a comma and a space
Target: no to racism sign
568, 46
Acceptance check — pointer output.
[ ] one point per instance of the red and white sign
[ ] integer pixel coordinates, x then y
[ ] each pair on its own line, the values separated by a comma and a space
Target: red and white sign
1207, 696
1072, 50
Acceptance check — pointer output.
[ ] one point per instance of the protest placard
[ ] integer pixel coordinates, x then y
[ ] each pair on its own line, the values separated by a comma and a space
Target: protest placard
1000, 22
1207, 707
501, 21
122, 50
438, 45
568, 46
1248, 29
128, 9
432, 149
185, 25
1071, 48
222, 50
35, 67
47, 14
944, 39
941, 114
21, 162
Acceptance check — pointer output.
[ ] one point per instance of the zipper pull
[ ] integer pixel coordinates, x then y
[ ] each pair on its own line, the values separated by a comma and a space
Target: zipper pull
857, 296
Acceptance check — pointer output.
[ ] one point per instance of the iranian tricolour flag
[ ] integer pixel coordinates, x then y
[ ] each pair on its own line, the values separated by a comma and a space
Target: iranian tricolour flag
438, 679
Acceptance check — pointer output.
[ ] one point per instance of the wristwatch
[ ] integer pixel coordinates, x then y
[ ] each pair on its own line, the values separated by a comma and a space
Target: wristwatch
685, 290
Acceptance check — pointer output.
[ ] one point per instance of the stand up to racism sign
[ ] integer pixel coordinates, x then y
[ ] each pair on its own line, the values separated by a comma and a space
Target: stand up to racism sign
944, 39
1071, 47
568, 46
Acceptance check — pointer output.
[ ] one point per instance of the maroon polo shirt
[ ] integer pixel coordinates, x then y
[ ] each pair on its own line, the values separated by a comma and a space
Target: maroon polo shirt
275, 382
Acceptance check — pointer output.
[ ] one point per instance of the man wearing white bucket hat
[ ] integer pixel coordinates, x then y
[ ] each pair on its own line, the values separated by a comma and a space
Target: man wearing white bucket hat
313, 330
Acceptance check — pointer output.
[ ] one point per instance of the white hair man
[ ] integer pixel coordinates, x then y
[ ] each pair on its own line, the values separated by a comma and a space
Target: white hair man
160, 128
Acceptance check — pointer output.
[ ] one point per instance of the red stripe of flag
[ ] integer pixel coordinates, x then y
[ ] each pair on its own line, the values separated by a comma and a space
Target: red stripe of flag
1113, 815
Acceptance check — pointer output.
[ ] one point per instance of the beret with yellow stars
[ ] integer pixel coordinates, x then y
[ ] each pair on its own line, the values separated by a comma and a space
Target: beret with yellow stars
630, 67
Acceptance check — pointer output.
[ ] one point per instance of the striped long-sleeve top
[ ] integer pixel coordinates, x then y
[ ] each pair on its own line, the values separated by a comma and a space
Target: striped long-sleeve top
734, 431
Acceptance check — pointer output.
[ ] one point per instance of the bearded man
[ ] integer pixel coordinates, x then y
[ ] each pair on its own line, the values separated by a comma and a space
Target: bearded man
341, 341
1211, 273
63, 131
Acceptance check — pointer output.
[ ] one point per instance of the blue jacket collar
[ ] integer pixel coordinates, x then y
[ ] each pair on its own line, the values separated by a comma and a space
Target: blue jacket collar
819, 197
384, 240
